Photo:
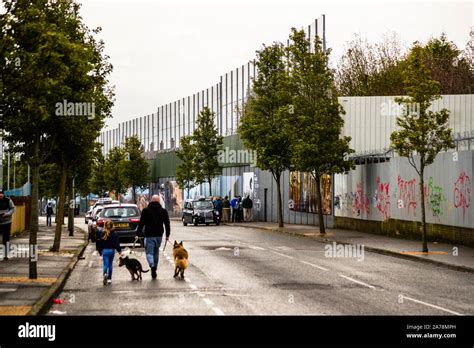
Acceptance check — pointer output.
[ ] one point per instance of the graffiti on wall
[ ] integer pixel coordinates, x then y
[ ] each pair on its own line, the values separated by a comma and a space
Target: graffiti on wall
407, 194
360, 201
434, 197
462, 192
382, 198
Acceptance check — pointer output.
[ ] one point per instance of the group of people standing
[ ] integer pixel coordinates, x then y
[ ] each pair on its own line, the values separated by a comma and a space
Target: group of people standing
234, 210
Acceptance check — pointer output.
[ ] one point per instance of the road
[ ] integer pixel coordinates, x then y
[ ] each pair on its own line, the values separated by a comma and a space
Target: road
242, 271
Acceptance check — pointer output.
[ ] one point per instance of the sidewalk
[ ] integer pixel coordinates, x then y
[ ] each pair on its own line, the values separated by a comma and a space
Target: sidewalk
20, 295
439, 253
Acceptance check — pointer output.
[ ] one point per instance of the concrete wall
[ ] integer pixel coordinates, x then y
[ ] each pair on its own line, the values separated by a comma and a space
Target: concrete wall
390, 190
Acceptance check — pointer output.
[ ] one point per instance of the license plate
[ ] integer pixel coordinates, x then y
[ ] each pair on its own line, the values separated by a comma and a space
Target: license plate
121, 225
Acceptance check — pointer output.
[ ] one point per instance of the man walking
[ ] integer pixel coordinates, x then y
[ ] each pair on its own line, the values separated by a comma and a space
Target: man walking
153, 218
49, 213
7, 208
247, 204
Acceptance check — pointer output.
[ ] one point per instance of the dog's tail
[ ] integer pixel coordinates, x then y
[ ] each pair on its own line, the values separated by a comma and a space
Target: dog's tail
145, 271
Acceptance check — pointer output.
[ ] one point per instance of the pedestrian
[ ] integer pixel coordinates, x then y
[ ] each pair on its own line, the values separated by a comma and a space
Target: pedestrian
218, 206
106, 245
247, 204
240, 214
153, 218
49, 213
233, 204
7, 208
226, 209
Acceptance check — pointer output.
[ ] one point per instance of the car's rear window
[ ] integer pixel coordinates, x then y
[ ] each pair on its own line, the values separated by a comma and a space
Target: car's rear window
120, 212
203, 205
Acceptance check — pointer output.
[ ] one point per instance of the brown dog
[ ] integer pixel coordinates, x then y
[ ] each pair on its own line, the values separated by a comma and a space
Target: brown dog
180, 256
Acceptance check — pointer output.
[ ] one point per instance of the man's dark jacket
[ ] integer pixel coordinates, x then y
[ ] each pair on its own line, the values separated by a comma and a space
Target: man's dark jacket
153, 217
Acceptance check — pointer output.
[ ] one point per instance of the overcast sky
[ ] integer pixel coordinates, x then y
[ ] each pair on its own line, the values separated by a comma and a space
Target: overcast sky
166, 50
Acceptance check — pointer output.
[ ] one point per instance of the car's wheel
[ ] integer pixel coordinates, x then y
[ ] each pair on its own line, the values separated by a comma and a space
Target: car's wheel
207, 224
217, 223
185, 223
195, 222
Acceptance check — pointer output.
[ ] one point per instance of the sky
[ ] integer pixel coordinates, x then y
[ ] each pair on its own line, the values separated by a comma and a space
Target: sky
165, 50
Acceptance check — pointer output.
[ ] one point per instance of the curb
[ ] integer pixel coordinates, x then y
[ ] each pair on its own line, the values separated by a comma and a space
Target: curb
372, 249
40, 307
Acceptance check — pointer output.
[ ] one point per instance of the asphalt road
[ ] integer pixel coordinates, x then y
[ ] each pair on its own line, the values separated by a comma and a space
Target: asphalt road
241, 271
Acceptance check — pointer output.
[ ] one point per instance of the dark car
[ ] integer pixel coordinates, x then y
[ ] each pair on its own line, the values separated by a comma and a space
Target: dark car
125, 218
200, 211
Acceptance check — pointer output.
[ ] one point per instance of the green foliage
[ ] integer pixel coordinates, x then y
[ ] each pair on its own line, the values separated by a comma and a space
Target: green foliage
114, 167
206, 143
317, 145
136, 170
186, 174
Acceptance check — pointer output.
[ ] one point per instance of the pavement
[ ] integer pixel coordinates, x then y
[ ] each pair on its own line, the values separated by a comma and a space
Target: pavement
243, 270
20, 295
453, 256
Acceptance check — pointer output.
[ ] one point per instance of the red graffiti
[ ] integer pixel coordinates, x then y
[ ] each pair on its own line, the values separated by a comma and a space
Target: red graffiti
360, 202
382, 198
462, 192
407, 193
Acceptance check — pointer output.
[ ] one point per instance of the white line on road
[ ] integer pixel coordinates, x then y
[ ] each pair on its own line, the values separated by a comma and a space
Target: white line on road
357, 281
255, 247
313, 265
431, 305
8, 289
90, 264
208, 302
217, 311
187, 280
192, 286
290, 257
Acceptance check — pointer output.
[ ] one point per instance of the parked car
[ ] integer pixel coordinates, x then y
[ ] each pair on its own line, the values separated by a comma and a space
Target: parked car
125, 218
200, 211
92, 224
100, 202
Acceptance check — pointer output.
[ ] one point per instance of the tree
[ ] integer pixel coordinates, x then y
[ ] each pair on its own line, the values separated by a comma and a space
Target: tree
262, 127
371, 69
317, 145
136, 169
114, 171
206, 141
422, 132
97, 183
448, 65
186, 175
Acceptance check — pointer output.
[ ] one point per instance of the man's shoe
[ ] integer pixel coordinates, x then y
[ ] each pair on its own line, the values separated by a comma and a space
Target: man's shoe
153, 272
105, 279
109, 281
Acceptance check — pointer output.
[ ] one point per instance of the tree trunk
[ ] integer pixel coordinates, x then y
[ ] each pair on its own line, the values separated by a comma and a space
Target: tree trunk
319, 200
277, 177
423, 211
60, 211
33, 274
70, 215
134, 195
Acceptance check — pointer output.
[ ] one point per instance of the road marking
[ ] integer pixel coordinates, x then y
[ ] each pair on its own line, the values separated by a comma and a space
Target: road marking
313, 265
290, 257
8, 289
357, 281
255, 247
187, 280
208, 302
90, 264
431, 305
217, 311
192, 286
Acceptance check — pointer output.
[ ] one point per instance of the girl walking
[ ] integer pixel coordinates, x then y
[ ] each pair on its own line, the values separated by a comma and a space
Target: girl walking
106, 246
